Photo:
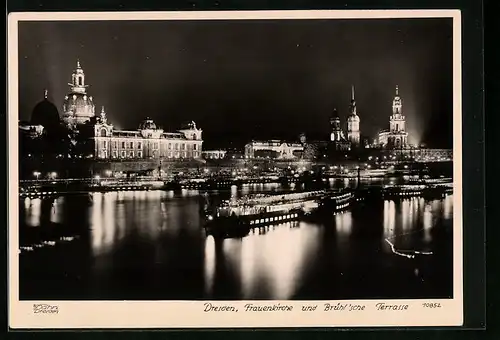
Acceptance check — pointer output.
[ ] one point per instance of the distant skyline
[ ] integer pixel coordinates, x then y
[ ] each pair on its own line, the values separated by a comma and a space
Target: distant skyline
242, 80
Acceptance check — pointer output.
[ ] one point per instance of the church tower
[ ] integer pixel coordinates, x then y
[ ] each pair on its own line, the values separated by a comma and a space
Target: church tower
337, 137
353, 134
397, 123
78, 107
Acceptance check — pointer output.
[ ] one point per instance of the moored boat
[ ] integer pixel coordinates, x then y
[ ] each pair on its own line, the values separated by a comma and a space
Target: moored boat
238, 217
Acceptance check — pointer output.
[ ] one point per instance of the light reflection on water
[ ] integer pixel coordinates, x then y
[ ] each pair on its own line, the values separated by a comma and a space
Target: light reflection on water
270, 263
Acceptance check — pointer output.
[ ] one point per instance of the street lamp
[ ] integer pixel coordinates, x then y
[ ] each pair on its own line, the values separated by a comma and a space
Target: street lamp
36, 174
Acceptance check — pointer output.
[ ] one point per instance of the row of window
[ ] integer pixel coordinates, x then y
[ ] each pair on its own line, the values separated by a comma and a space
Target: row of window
130, 145
139, 154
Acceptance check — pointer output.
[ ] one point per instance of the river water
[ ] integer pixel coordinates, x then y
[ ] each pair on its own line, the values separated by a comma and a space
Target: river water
151, 246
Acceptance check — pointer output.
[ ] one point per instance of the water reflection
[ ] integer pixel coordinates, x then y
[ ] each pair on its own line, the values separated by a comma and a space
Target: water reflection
156, 238
273, 264
33, 209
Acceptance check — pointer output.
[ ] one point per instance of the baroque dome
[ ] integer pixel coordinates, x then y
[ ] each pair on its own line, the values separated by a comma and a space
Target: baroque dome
79, 105
147, 124
46, 114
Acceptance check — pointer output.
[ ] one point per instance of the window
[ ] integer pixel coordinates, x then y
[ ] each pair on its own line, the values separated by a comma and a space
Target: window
80, 81
139, 145
195, 147
169, 146
195, 154
183, 146
131, 145
155, 145
105, 144
103, 132
184, 154
123, 145
115, 154
170, 154
139, 154
115, 145
123, 154
131, 154
397, 127
176, 146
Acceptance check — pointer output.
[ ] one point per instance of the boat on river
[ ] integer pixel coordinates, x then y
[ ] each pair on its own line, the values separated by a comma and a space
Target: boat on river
238, 217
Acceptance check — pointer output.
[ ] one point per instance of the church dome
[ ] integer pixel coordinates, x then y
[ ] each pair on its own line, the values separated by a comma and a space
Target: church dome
147, 124
79, 105
46, 114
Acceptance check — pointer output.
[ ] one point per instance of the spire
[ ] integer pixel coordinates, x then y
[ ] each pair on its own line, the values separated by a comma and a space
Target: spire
45, 93
352, 92
103, 115
78, 64
397, 90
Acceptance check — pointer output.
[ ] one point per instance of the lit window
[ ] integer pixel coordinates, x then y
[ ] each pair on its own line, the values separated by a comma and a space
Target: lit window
115, 154
123, 154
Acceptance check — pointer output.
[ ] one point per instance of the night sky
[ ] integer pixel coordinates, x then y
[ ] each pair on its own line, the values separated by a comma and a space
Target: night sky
243, 80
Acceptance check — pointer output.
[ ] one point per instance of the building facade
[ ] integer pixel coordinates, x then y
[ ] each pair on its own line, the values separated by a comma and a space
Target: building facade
273, 149
353, 133
214, 154
147, 142
396, 137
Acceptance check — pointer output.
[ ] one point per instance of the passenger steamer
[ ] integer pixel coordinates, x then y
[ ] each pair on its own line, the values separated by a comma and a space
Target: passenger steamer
237, 218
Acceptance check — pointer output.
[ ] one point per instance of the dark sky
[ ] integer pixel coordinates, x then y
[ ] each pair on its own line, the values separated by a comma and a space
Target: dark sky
248, 79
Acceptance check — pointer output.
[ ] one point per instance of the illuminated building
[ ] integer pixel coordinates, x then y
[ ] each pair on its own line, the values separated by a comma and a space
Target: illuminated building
273, 149
353, 122
396, 137
106, 142
147, 142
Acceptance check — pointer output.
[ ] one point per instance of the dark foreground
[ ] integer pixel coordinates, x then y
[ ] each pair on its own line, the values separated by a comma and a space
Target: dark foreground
151, 246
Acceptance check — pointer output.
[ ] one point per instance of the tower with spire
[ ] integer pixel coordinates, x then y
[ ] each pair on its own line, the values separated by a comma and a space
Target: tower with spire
353, 133
396, 137
397, 123
78, 107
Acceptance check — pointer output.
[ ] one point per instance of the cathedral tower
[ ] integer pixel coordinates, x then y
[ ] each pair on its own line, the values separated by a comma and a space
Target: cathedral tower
353, 134
78, 107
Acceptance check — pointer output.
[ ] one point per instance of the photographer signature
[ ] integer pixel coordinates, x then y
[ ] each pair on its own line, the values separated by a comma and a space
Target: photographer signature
45, 308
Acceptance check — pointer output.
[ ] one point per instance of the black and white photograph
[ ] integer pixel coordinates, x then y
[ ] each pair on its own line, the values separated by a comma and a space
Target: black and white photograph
218, 161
